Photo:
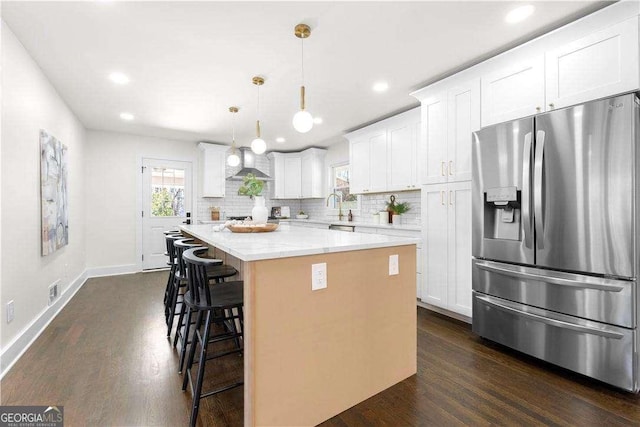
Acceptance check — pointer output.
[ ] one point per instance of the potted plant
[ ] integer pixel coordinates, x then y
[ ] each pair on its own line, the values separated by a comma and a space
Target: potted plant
252, 187
398, 209
302, 215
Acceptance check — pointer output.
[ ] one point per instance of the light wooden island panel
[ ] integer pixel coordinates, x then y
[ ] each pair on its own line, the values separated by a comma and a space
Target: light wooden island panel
310, 355
313, 354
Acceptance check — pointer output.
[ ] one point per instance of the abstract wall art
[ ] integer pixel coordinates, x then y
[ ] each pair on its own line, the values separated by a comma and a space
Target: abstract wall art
53, 185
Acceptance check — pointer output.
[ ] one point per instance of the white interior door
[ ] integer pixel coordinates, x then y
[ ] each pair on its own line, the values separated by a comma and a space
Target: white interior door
166, 203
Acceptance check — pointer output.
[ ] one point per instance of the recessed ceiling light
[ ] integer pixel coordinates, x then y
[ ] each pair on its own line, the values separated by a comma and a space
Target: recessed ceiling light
519, 14
280, 140
119, 78
317, 120
380, 86
127, 116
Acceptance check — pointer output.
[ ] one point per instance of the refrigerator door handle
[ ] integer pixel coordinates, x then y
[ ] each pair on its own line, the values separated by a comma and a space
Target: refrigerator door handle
526, 191
549, 321
575, 281
537, 188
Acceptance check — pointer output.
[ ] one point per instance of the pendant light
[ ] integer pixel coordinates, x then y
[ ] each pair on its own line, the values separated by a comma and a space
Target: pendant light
258, 145
233, 160
302, 120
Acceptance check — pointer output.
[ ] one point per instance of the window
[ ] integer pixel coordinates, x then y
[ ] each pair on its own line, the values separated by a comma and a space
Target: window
340, 186
167, 192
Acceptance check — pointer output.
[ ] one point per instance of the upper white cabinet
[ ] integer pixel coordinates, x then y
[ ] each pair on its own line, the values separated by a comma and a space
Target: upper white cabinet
297, 175
403, 139
212, 169
602, 64
514, 91
312, 176
384, 156
448, 119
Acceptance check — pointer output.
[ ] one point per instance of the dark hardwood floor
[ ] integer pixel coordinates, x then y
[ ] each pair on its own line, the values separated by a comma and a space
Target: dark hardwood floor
106, 359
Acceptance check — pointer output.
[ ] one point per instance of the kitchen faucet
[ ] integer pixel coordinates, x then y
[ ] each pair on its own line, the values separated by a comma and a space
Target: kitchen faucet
339, 197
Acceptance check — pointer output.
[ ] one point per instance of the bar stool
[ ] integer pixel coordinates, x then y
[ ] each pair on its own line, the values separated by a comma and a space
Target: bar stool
179, 277
215, 303
171, 254
215, 271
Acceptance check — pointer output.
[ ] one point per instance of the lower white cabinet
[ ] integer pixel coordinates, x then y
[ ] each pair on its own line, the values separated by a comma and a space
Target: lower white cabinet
212, 169
446, 225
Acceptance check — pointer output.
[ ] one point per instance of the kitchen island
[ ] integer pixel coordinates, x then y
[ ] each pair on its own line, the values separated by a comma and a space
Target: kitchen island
311, 354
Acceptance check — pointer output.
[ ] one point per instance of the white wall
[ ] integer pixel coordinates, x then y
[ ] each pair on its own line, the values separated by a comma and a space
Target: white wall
113, 181
30, 103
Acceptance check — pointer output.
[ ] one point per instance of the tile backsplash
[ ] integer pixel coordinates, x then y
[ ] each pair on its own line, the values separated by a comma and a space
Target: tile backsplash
236, 205
369, 205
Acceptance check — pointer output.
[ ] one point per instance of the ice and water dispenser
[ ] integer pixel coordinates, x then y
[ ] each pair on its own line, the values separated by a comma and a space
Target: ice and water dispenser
502, 213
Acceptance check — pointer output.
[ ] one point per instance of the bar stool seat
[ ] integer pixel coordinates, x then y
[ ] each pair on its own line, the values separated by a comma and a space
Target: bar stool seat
218, 303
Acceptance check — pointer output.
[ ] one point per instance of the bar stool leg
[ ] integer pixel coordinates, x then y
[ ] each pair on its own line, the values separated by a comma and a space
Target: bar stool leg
185, 341
204, 337
192, 350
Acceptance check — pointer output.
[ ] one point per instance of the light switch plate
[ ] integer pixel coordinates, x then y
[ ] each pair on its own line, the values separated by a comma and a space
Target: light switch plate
318, 276
394, 266
10, 311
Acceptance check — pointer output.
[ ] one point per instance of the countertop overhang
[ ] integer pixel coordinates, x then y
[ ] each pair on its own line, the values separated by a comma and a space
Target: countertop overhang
291, 241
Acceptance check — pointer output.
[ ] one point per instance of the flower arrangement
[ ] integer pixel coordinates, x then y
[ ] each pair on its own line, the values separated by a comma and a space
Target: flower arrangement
251, 186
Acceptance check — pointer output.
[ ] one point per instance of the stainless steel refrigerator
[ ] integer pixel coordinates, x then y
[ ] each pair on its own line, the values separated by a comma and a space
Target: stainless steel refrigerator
555, 237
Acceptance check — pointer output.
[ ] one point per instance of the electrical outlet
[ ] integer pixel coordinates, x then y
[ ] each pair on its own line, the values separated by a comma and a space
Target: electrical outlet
10, 312
394, 265
53, 291
318, 276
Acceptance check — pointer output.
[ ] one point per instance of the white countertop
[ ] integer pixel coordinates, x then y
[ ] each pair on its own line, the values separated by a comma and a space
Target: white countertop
291, 241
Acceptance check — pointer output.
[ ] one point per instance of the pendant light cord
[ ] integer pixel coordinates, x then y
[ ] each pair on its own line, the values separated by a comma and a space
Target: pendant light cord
302, 58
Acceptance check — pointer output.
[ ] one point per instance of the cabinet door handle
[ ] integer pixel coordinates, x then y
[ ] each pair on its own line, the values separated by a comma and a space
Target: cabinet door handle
442, 169
551, 106
538, 109
442, 198
451, 197
450, 167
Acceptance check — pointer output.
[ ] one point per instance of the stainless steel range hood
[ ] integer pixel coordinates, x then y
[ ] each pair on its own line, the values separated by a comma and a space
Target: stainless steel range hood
248, 163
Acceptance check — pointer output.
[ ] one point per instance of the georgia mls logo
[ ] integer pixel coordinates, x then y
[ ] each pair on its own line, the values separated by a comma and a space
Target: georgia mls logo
31, 416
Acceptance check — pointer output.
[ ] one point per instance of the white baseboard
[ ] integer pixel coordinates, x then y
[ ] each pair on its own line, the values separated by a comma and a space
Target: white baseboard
445, 312
16, 348
112, 270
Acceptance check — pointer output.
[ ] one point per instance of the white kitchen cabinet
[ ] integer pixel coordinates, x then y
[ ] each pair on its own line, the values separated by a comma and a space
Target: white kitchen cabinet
384, 156
297, 175
212, 169
514, 91
368, 162
446, 272
602, 64
312, 173
403, 136
448, 120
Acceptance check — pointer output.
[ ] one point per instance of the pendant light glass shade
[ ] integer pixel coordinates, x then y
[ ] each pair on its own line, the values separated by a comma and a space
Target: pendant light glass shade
258, 145
302, 120
233, 160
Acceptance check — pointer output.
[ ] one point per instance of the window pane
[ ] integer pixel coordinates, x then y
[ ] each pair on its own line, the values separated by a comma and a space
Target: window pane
167, 192
341, 187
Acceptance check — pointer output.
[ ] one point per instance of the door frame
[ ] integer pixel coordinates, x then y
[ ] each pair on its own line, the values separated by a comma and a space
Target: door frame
139, 182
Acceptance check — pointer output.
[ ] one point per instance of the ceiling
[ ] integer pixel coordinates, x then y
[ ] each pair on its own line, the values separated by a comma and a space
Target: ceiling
190, 61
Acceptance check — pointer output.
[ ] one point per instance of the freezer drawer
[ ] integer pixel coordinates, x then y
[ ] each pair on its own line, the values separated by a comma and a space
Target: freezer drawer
593, 298
590, 348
